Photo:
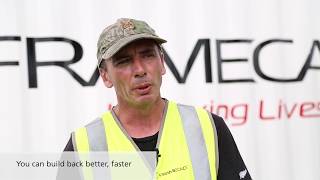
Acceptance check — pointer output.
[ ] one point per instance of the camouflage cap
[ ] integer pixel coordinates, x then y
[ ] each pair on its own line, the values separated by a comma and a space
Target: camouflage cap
121, 33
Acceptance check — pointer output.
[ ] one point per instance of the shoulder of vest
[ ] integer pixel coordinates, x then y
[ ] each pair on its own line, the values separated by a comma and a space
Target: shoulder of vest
191, 106
188, 108
95, 134
213, 116
185, 105
94, 122
90, 125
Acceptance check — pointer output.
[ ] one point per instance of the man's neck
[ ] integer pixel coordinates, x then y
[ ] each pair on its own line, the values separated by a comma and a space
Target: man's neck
141, 122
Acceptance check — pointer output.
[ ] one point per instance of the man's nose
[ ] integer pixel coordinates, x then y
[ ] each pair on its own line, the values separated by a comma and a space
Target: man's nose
138, 68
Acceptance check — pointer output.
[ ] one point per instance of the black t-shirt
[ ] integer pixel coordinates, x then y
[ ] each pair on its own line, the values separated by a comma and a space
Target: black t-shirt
231, 164
147, 143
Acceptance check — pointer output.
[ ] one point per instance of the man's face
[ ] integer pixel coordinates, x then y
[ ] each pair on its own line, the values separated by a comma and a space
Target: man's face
136, 73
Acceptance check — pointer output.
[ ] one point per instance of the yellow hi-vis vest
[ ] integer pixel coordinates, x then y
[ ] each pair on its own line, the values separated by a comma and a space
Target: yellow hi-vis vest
187, 142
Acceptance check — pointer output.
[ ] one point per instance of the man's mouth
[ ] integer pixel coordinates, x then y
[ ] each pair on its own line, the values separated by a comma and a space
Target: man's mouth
143, 89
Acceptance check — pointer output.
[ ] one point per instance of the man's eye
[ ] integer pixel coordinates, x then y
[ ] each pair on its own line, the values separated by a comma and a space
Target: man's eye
149, 55
122, 61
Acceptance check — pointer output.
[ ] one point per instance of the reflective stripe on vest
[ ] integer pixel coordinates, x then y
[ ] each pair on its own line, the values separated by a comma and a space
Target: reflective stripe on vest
89, 138
187, 142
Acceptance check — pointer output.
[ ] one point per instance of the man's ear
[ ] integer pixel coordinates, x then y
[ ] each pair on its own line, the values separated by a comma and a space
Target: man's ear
163, 69
106, 78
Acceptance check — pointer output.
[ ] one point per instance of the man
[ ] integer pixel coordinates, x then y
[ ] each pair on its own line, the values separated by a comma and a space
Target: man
199, 144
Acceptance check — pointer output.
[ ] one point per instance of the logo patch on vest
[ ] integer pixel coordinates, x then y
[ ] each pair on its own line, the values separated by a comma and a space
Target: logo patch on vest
174, 170
243, 174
